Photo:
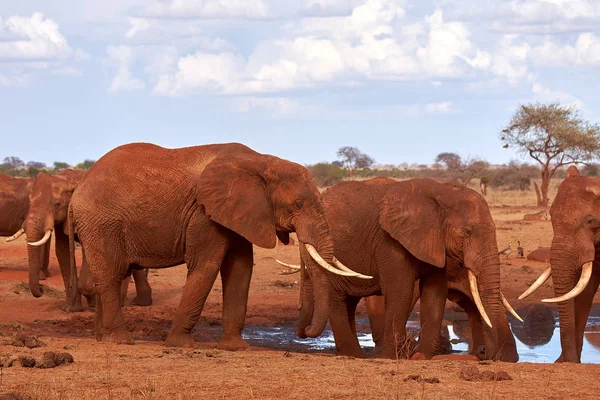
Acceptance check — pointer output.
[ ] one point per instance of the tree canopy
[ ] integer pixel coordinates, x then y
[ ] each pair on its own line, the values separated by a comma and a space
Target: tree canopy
554, 136
459, 170
352, 158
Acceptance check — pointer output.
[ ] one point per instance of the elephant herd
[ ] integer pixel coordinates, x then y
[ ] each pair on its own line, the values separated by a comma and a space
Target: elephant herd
142, 206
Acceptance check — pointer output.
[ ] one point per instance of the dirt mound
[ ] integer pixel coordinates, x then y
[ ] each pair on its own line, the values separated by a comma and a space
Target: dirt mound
541, 254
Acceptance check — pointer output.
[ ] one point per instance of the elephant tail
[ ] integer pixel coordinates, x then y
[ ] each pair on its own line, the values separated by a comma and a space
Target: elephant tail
73, 284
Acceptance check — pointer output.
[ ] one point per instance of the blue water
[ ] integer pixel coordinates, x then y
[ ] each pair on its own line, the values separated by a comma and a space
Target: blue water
284, 337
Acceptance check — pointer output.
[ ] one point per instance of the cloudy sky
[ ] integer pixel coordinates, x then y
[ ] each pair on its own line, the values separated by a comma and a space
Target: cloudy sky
402, 80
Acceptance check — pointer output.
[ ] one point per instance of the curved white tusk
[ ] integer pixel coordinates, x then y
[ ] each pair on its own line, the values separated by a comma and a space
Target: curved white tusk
509, 307
323, 264
342, 267
17, 235
477, 299
586, 274
292, 266
290, 272
42, 240
538, 283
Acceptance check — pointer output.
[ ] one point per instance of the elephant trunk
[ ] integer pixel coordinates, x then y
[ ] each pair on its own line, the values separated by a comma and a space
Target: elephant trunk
565, 274
35, 229
315, 288
488, 282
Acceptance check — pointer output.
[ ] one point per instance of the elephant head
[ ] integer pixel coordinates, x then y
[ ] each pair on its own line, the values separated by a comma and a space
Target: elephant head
575, 215
48, 204
265, 198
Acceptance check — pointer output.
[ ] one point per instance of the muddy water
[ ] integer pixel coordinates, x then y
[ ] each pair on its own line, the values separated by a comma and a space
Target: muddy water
538, 340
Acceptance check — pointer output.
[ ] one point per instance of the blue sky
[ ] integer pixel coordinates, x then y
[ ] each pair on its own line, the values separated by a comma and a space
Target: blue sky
401, 80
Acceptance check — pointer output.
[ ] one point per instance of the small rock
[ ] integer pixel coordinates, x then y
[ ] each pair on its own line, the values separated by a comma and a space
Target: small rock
431, 380
487, 376
469, 373
47, 361
282, 284
23, 340
27, 362
503, 376
413, 378
63, 358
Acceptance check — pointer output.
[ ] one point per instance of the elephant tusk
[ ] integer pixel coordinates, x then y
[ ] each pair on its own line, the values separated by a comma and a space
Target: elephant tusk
290, 272
509, 307
291, 266
17, 235
538, 283
586, 274
342, 267
477, 299
42, 240
323, 264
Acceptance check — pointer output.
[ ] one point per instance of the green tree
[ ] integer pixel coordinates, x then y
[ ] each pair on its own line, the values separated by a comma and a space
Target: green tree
59, 165
325, 174
85, 165
459, 170
554, 136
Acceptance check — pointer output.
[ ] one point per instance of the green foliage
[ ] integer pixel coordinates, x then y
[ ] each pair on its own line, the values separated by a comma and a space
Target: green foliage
352, 158
591, 170
326, 174
459, 170
85, 165
59, 166
513, 176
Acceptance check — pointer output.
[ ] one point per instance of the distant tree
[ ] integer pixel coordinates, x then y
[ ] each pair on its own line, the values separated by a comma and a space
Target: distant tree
36, 165
338, 164
591, 170
85, 165
459, 170
554, 136
59, 165
33, 171
14, 162
352, 158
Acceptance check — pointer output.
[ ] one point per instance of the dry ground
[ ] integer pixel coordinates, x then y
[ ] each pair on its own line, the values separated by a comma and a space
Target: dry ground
151, 371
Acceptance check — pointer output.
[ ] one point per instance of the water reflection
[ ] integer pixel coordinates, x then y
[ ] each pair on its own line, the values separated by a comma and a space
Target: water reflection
537, 339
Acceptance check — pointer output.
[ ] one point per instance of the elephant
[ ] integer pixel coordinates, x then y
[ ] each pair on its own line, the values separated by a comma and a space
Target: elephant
14, 205
49, 199
144, 205
398, 233
574, 261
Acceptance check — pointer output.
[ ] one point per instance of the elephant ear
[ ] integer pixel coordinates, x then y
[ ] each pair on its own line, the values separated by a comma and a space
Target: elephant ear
234, 195
413, 219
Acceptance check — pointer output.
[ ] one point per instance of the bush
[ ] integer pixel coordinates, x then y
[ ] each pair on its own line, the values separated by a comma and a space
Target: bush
325, 174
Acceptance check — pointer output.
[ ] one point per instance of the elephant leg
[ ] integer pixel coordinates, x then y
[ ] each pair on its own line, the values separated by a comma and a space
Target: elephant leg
433, 288
477, 341
46, 260
204, 257
108, 275
376, 312
397, 288
342, 310
236, 272
583, 304
62, 255
143, 291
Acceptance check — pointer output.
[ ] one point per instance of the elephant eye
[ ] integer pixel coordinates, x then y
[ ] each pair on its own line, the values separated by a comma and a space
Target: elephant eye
468, 231
591, 221
299, 204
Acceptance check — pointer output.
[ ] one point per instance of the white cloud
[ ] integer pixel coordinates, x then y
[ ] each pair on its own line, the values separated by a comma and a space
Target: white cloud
585, 52
202, 71
323, 8
439, 108
209, 9
32, 38
14, 80
137, 25
122, 56
278, 106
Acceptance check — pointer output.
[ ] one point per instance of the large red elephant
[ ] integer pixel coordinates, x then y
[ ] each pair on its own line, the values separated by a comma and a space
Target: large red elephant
144, 205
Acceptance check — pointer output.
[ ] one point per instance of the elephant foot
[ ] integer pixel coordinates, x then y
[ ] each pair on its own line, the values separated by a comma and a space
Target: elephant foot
71, 308
142, 301
46, 272
42, 276
233, 344
118, 337
180, 340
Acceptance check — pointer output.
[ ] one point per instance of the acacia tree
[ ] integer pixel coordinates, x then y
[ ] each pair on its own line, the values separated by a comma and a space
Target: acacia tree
459, 170
352, 158
554, 136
